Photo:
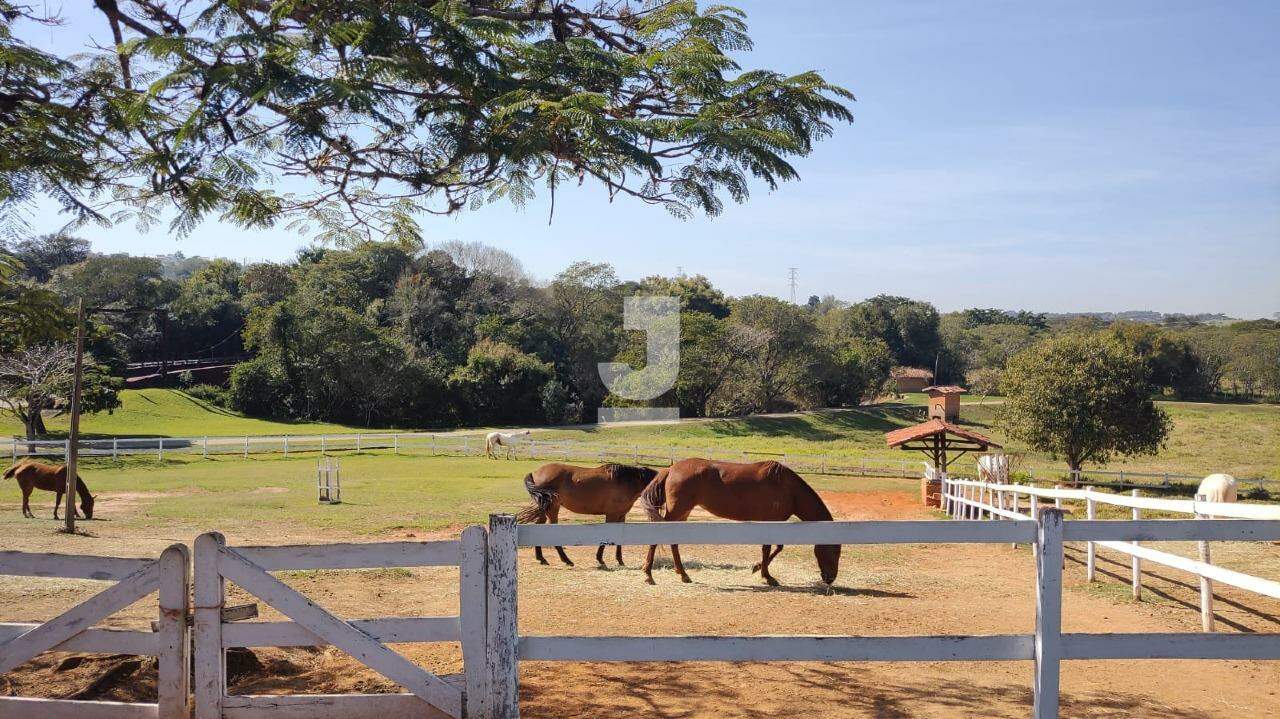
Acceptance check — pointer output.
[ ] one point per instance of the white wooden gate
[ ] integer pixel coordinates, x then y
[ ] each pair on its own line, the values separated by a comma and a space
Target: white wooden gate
429, 696
73, 630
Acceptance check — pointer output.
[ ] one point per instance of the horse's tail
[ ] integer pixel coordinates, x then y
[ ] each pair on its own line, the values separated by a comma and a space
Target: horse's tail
542, 497
654, 499
12, 470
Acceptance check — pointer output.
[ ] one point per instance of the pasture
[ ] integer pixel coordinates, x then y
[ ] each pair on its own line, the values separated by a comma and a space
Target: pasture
1242, 439
882, 590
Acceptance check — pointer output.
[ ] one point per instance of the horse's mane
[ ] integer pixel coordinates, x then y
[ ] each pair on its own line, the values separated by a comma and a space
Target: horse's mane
630, 473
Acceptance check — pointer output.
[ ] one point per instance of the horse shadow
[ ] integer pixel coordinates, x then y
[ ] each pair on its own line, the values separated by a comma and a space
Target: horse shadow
817, 590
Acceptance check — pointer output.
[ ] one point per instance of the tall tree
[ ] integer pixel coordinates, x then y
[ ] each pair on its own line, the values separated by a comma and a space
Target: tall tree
1084, 398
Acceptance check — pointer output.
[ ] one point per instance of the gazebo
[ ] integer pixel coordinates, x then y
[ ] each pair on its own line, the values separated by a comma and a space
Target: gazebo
943, 442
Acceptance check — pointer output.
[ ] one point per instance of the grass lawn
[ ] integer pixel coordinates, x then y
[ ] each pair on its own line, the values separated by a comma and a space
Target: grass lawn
274, 497
1241, 439
172, 413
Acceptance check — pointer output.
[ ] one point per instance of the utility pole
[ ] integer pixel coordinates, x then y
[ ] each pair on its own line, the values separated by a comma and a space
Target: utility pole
73, 436
791, 279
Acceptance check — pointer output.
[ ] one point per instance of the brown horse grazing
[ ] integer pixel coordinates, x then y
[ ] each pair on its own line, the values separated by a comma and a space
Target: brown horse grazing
33, 475
609, 489
758, 492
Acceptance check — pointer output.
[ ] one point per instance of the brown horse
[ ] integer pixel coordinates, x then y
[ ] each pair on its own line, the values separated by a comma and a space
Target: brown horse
33, 475
758, 492
610, 489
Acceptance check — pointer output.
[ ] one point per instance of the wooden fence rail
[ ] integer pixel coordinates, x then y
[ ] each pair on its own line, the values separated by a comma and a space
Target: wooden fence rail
1048, 646
966, 499
73, 630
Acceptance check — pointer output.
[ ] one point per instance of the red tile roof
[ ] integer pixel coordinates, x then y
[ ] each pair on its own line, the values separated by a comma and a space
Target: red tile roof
897, 372
931, 428
945, 389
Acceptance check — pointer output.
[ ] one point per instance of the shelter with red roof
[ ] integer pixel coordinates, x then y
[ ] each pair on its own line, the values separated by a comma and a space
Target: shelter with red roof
943, 443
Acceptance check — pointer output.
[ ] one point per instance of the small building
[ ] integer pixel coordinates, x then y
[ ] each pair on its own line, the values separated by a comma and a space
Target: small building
911, 379
943, 443
944, 402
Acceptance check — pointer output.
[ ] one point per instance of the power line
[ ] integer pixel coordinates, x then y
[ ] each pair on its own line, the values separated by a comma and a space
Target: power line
791, 279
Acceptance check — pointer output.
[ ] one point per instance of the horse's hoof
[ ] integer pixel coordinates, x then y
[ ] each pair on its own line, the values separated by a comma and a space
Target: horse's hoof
685, 578
543, 562
620, 564
755, 568
568, 564
649, 580
771, 581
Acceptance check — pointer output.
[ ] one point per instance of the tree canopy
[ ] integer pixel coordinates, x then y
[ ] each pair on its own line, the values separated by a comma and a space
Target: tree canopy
390, 108
1084, 398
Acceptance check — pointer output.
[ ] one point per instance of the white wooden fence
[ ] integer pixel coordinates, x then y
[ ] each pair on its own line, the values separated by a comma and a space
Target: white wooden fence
1048, 646
965, 499
429, 696
73, 630
487, 626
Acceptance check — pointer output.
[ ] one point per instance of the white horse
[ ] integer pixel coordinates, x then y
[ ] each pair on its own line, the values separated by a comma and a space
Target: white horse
493, 440
1218, 488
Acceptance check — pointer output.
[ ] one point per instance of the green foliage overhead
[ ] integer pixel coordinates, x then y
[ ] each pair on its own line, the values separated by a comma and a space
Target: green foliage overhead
1084, 398
396, 107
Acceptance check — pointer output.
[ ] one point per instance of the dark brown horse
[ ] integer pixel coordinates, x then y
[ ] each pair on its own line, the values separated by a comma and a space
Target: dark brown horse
610, 489
32, 475
758, 492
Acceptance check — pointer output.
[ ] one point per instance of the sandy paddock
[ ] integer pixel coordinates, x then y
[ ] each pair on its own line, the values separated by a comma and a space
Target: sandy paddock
882, 590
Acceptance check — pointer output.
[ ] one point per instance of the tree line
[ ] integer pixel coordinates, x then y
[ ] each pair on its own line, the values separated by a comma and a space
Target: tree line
399, 334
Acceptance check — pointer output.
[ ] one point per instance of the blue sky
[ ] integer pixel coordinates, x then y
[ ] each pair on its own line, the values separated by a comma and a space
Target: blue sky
1051, 155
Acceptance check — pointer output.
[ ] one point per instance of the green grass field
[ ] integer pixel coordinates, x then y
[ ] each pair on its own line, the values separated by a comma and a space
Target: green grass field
1242, 439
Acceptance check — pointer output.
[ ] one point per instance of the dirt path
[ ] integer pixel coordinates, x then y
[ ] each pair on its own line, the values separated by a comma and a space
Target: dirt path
882, 590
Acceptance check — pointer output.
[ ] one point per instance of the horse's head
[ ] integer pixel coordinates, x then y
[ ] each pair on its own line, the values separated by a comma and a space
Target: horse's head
86, 506
828, 561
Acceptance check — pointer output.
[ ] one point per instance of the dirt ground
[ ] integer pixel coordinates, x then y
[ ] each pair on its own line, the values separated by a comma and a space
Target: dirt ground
882, 590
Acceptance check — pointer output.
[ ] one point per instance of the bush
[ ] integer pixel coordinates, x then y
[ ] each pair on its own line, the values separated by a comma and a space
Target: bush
212, 394
259, 388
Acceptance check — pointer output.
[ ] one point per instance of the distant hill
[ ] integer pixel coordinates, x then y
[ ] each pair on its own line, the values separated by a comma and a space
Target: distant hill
1149, 316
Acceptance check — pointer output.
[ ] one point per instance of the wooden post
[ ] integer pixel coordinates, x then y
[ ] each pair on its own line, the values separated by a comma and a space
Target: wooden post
1048, 638
73, 434
246, 446
1135, 564
1035, 514
395, 444
1206, 584
1057, 501
286, 446
503, 658
322, 445
115, 448
204, 447
173, 658
160, 449
473, 603
210, 659
1091, 549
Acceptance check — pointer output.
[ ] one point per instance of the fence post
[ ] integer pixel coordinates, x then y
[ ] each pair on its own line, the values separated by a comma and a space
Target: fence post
473, 608
1048, 639
322, 445
66, 450
1091, 549
1135, 564
173, 657
286, 446
246, 446
395, 444
1016, 510
210, 659
15, 450
433, 445
204, 447
503, 659
358, 443
1035, 515
160, 449
115, 448
1206, 584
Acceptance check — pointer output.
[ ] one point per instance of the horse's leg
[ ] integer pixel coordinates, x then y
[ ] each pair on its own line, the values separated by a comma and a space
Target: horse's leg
553, 516
537, 551
679, 566
764, 567
648, 564
57, 503
756, 567
26, 503
610, 519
